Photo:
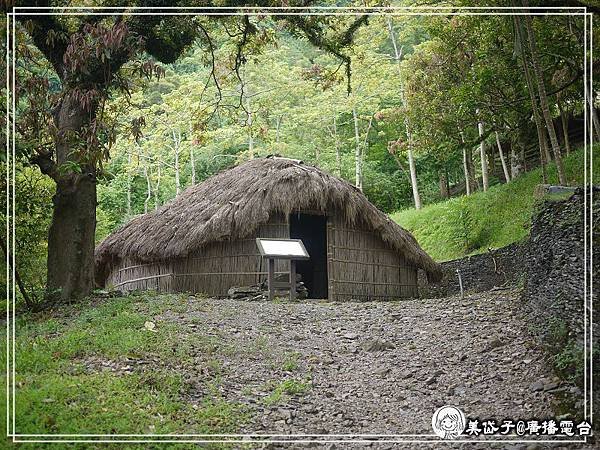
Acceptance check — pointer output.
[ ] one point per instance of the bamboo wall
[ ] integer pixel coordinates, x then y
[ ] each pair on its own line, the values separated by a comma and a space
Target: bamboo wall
211, 270
132, 275
361, 266
221, 265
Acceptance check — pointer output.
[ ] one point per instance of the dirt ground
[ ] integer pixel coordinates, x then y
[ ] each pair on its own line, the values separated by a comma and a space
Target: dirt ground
314, 367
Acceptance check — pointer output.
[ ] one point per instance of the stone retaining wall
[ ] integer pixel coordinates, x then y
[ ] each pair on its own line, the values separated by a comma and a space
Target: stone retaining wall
498, 267
554, 286
549, 263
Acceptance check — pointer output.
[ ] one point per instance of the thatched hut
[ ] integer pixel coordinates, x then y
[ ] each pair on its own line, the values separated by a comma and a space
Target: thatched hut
204, 239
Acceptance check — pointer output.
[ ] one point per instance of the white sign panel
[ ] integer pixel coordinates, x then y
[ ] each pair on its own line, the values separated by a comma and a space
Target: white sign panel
286, 248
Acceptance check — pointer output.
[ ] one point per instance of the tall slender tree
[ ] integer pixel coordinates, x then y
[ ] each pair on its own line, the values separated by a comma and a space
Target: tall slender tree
502, 159
541, 132
411, 158
539, 76
483, 155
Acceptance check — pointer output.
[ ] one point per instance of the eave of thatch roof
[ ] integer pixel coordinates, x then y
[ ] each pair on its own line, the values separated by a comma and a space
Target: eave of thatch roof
234, 203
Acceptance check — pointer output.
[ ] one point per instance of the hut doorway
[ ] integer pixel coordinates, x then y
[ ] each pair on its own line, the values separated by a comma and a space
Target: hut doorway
312, 230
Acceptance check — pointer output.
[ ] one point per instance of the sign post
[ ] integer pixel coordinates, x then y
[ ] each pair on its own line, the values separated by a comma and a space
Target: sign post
272, 249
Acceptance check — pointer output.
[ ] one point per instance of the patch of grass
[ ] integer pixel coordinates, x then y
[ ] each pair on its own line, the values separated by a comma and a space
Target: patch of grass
566, 355
215, 366
557, 333
259, 345
290, 362
290, 387
57, 393
98, 403
569, 363
502, 215
217, 414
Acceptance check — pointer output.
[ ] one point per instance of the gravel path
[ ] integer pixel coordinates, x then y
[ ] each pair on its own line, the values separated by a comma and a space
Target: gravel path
317, 367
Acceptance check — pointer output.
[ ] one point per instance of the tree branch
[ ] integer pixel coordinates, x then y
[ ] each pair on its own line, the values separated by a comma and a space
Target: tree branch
334, 47
50, 37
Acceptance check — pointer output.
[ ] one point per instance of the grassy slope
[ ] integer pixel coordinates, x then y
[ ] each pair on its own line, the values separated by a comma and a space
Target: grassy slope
466, 225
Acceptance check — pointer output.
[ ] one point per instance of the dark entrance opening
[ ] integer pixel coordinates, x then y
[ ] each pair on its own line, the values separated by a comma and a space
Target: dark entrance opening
312, 230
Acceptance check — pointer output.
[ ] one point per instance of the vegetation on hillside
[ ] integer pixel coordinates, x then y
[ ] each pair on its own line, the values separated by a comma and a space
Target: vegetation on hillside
472, 224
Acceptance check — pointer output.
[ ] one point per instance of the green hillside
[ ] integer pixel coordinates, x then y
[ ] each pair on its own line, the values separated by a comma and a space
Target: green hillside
470, 224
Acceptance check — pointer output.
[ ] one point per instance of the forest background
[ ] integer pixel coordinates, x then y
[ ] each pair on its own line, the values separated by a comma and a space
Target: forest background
447, 122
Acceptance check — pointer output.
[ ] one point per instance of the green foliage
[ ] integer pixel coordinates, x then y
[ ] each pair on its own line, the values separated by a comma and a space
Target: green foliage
460, 220
558, 333
471, 224
290, 97
290, 363
293, 103
289, 106
567, 356
33, 200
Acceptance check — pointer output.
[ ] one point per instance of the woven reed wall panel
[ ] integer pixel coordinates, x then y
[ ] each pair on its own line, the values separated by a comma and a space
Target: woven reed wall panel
211, 270
362, 267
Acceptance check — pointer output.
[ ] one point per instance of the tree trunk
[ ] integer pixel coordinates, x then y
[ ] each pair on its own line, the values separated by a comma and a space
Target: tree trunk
444, 187
466, 172
411, 162
468, 166
400, 165
502, 160
71, 240
177, 149
192, 157
594, 113
413, 176
537, 69
491, 156
515, 166
193, 164
472, 178
484, 162
541, 133
564, 123
547, 153
544, 154
596, 123
148, 187
129, 184
357, 153
157, 188
249, 123
31, 304
71, 237
338, 156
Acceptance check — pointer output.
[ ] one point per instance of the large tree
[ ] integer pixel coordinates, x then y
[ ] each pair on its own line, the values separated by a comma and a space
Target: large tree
95, 55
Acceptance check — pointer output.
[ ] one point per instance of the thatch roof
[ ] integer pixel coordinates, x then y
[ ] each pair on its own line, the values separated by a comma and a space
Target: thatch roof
234, 203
